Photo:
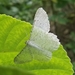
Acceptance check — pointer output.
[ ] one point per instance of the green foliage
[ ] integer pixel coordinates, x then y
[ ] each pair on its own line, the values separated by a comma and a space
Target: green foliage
71, 44
24, 9
21, 9
13, 34
59, 18
62, 3
10, 2
12, 71
74, 67
61, 6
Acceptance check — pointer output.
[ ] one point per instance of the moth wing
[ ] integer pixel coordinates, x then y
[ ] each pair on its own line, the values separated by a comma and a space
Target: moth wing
41, 20
24, 56
31, 52
39, 54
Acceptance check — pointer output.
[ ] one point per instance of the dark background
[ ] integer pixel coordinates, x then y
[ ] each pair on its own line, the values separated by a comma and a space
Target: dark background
61, 15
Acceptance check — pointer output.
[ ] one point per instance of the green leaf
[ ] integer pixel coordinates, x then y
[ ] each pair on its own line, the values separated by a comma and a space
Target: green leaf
12, 71
13, 34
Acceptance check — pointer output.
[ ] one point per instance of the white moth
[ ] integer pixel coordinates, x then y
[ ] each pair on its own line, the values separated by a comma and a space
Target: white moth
41, 43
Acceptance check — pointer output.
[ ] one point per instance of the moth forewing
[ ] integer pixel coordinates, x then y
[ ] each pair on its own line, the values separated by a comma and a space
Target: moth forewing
41, 20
